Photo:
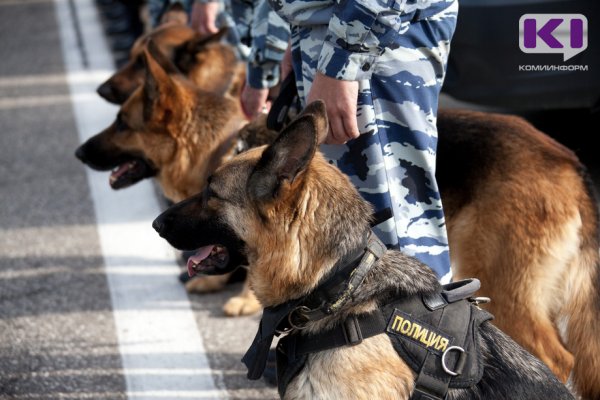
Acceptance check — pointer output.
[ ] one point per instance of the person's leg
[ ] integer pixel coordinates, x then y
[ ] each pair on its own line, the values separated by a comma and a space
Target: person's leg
405, 89
237, 16
362, 158
392, 163
404, 93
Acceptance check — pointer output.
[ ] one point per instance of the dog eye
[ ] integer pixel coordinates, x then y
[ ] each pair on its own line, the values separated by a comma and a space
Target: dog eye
120, 125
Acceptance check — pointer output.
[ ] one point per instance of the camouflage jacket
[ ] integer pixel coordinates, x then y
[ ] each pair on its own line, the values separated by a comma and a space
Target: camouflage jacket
358, 31
265, 32
270, 35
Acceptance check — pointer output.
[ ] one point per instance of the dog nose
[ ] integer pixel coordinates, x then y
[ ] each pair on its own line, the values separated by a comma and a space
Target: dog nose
106, 92
158, 225
79, 153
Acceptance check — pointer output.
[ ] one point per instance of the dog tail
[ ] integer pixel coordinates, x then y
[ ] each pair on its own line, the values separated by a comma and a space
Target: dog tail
583, 303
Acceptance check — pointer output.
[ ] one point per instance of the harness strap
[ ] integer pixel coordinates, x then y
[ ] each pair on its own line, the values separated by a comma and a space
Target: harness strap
430, 384
351, 332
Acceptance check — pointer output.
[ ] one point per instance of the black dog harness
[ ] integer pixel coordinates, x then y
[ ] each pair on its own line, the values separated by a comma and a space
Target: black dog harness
436, 335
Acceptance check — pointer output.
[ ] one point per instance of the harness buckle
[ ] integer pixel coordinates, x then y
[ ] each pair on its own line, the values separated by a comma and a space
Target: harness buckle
298, 322
352, 332
479, 300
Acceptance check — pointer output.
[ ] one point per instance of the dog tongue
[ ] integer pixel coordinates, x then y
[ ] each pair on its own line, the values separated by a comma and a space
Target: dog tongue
197, 258
120, 171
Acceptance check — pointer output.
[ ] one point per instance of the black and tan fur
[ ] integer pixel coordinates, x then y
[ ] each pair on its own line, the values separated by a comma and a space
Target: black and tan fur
293, 216
207, 62
181, 133
522, 218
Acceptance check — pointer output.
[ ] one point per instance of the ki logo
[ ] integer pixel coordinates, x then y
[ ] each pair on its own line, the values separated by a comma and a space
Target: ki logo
553, 33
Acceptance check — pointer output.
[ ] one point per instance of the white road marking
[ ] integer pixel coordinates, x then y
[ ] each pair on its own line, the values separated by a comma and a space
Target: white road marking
7, 103
47, 79
112, 371
154, 320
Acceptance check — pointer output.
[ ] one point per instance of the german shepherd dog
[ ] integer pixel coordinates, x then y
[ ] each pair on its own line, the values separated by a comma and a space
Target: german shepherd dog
520, 212
292, 216
210, 64
168, 129
178, 133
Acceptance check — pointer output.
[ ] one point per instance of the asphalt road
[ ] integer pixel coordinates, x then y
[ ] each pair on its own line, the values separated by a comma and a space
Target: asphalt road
64, 312
61, 335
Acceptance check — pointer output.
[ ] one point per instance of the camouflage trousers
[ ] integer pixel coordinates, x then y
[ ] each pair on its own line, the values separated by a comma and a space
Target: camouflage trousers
392, 163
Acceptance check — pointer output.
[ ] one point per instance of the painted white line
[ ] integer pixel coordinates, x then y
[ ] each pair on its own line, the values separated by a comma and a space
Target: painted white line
7, 103
111, 372
153, 317
154, 395
45, 79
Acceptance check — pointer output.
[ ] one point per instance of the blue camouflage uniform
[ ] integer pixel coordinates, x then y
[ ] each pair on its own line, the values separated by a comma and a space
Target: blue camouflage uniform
235, 14
397, 50
270, 36
258, 33
157, 7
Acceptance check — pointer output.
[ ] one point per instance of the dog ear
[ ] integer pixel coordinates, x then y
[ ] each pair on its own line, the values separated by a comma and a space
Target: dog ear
198, 42
316, 110
157, 83
174, 14
289, 155
161, 59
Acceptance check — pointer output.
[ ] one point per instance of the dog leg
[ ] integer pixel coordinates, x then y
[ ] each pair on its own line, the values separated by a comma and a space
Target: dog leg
207, 284
540, 337
244, 303
525, 315
581, 320
523, 260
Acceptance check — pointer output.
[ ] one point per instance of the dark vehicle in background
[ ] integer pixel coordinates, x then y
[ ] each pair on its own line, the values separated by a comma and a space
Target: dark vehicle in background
485, 58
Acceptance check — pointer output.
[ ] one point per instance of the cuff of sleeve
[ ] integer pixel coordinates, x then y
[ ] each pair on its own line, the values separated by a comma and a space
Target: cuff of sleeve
345, 65
264, 76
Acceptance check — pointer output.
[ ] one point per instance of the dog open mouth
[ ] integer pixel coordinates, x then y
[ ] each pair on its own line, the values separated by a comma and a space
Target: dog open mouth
209, 260
130, 173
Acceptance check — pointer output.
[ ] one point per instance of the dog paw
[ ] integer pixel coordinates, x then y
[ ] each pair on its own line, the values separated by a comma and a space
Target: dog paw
205, 284
241, 305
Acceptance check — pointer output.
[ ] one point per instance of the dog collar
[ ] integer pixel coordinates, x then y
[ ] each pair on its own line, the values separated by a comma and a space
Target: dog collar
328, 297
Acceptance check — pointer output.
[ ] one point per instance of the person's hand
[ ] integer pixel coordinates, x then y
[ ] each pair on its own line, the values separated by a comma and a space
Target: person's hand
204, 16
340, 98
254, 101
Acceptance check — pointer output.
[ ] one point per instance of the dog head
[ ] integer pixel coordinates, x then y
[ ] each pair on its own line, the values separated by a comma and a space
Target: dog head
163, 129
174, 14
184, 48
282, 208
